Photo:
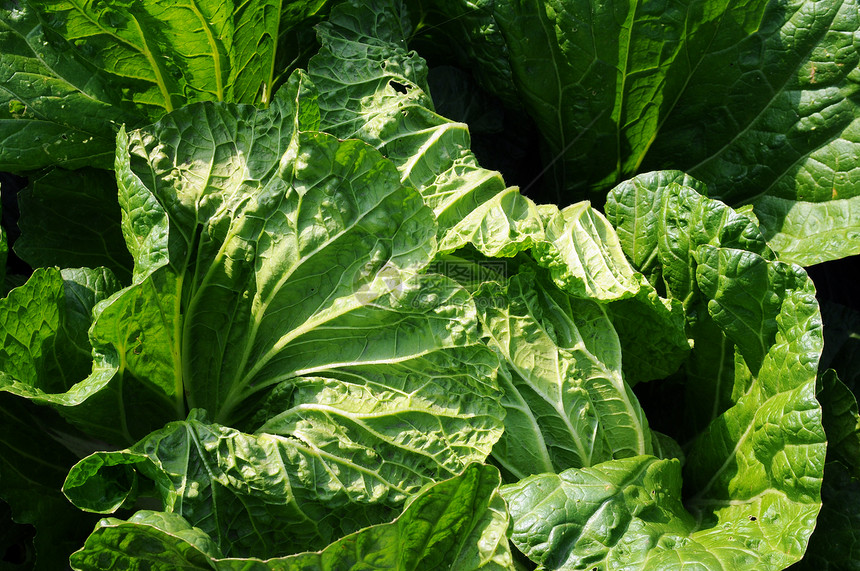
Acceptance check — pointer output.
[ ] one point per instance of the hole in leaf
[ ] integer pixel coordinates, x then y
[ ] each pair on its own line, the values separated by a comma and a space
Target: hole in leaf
399, 87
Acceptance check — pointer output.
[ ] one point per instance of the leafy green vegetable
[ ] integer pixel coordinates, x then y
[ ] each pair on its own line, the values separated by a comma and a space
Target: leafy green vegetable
832, 544
564, 392
266, 494
84, 217
75, 71
338, 341
458, 523
757, 99
36, 452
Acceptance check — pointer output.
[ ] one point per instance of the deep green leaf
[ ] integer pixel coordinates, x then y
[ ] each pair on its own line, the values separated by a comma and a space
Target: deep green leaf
71, 219
470, 26
55, 110
74, 71
44, 325
740, 461
757, 99
842, 342
37, 448
171, 54
841, 421
834, 543
782, 129
600, 80
630, 208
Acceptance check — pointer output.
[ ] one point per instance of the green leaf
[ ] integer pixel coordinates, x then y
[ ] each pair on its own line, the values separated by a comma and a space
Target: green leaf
160, 541
253, 495
567, 404
384, 101
754, 468
630, 208
135, 383
73, 71
624, 513
584, 255
808, 233
743, 290
405, 422
71, 219
782, 130
55, 110
279, 285
47, 355
287, 217
741, 461
600, 81
255, 264
833, 545
628, 514
248, 70
44, 325
663, 219
841, 421
312, 479
502, 226
171, 55
37, 448
459, 523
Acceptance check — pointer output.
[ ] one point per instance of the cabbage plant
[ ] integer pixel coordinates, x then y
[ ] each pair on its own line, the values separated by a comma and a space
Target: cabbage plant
305, 328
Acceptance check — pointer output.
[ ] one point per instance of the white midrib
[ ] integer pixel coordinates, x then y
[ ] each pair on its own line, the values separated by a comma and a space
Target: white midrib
236, 391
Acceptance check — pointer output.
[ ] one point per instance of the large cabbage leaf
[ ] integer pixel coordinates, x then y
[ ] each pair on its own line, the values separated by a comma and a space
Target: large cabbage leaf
459, 523
757, 99
752, 475
373, 88
567, 403
271, 494
73, 72
277, 285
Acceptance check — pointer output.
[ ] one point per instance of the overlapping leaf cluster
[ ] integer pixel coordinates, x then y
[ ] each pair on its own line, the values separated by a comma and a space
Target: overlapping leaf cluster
316, 334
